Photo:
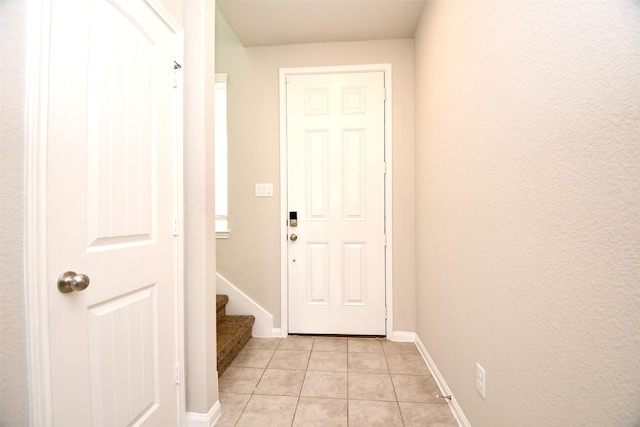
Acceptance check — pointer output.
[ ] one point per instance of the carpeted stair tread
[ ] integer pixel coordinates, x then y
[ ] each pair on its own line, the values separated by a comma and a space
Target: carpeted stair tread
221, 301
221, 304
233, 333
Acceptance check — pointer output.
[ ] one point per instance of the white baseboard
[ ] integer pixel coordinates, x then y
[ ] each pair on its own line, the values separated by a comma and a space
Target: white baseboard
241, 304
402, 336
277, 333
209, 419
442, 384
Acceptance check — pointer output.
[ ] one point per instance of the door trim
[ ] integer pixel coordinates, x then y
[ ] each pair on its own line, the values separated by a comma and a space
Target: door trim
35, 283
36, 286
388, 202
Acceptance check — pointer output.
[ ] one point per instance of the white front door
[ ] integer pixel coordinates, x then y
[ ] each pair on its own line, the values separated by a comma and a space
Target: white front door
335, 162
112, 144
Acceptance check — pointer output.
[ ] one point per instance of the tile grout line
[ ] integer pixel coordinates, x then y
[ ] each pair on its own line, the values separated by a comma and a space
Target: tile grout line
393, 385
304, 378
255, 387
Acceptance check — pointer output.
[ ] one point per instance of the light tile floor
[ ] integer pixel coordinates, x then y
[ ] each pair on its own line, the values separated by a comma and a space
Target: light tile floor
327, 381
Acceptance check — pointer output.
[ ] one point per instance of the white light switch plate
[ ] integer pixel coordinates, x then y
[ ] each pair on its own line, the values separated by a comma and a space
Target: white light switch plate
264, 190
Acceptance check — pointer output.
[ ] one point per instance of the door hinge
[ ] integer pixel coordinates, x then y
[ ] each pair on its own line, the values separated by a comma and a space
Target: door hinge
385, 240
177, 374
384, 167
176, 68
175, 226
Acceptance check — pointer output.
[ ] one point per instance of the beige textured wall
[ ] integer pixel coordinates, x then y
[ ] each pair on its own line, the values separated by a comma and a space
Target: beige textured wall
198, 21
199, 237
528, 207
14, 396
250, 258
201, 375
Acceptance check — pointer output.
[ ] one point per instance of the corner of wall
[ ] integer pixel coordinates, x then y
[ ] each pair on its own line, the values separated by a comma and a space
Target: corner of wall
442, 384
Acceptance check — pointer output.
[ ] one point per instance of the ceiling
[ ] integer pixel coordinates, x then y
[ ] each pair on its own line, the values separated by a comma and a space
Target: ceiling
277, 22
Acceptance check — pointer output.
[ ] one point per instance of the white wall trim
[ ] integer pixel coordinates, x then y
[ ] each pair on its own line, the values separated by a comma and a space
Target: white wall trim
209, 419
388, 150
35, 269
284, 195
442, 384
402, 336
240, 303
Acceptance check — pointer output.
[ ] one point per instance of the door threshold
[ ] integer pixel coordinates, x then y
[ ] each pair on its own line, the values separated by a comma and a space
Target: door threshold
381, 337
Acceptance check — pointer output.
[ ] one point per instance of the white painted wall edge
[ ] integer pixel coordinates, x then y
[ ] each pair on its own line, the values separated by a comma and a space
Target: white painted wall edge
442, 384
241, 304
209, 419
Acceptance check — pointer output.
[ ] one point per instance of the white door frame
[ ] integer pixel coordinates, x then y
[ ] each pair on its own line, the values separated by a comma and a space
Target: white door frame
36, 286
284, 195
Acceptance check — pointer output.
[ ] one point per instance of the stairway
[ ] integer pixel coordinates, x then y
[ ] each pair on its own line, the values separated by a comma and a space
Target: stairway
233, 332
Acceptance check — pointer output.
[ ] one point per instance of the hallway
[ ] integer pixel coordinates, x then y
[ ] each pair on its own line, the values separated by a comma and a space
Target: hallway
330, 381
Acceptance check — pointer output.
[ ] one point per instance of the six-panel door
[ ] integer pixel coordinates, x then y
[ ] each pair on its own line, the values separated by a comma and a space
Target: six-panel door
335, 151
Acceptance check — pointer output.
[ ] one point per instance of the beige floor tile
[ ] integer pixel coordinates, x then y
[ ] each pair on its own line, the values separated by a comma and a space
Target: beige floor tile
289, 359
239, 380
253, 358
263, 343
330, 381
231, 406
272, 411
280, 382
371, 387
319, 412
364, 413
325, 384
365, 345
328, 361
368, 362
392, 347
414, 388
296, 343
407, 364
427, 415
330, 344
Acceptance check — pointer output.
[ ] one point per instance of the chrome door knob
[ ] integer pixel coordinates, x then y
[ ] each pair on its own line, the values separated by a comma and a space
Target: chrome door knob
293, 237
69, 281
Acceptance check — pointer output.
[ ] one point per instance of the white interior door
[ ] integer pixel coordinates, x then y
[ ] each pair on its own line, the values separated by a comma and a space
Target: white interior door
112, 143
335, 155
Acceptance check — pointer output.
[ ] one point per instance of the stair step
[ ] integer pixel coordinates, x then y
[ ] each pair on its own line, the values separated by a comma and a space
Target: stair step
233, 333
221, 307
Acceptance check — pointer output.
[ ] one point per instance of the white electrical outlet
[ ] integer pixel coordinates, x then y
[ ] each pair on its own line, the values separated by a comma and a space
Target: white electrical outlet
481, 380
